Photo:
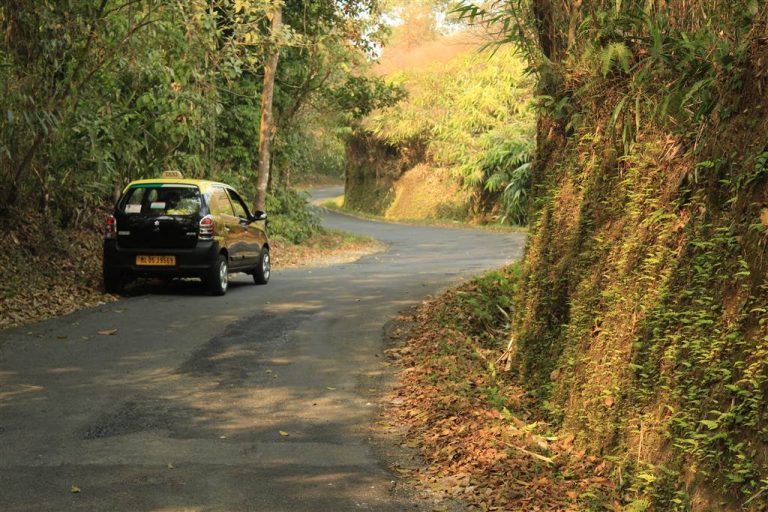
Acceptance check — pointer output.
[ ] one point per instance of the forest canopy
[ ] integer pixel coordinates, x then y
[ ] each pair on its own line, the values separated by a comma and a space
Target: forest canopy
95, 94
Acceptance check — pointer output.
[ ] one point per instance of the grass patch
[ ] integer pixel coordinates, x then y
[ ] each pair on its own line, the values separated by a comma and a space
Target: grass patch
337, 203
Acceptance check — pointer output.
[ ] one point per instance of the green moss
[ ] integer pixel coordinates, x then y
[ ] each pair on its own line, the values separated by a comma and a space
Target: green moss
642, 323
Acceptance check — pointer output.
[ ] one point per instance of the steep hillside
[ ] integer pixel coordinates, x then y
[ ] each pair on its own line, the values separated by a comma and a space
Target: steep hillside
456, 120
642, 323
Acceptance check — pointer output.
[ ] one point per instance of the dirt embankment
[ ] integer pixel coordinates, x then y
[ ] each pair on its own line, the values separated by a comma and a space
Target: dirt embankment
425, 192
397, 183
373, 168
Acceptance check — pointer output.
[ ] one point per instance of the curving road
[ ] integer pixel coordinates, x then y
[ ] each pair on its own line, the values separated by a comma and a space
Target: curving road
187, 406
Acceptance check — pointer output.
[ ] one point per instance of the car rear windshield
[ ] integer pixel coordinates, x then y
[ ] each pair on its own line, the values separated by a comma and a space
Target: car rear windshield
156, 200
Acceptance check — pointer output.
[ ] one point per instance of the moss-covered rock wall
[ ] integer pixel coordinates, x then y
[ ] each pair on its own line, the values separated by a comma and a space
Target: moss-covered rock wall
643, 318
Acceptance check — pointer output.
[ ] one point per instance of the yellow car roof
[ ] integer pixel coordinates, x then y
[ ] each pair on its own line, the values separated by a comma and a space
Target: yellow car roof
203, 185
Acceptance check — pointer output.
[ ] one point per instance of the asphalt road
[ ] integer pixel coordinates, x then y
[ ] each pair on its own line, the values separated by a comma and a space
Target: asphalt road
186, 406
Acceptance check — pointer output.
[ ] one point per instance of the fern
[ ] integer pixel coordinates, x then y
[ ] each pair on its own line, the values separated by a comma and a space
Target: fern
615, 54
640, 505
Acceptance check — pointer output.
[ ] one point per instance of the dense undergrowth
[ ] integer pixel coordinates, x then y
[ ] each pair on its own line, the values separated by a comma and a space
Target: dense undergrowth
642, 319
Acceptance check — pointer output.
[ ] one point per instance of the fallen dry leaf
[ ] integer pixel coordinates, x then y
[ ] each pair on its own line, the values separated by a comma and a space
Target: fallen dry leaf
108, 332
74, 489
284, 433
472, 452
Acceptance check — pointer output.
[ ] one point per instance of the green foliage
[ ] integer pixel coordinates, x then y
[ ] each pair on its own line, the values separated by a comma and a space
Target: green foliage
507, 172
358, 96
616, 54
641, 505
468, 124
94, 94
290, 217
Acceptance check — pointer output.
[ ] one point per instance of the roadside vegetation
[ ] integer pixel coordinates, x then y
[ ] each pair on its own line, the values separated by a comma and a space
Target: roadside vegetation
459, 146
481, 434
639, 321
96, 94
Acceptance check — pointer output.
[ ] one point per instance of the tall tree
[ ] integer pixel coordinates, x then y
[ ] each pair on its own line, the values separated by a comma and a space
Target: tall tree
267, 130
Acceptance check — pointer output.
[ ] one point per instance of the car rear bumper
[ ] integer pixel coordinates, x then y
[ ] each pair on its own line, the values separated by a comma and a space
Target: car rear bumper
193, 262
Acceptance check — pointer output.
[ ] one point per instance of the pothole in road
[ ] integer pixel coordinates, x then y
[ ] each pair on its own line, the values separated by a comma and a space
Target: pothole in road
243, 347
137, 416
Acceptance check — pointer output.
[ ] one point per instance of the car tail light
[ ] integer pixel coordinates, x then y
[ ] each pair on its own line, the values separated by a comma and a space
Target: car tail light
110, 229
206, 227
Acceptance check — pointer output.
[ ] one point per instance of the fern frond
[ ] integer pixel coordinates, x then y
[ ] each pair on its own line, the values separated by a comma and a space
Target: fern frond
616, 53
641, 505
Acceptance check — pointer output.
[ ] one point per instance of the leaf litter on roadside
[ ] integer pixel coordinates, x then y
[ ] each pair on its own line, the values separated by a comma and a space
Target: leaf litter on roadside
479, 434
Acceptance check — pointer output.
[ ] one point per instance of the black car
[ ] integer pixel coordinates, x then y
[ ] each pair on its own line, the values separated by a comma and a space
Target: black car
174, 227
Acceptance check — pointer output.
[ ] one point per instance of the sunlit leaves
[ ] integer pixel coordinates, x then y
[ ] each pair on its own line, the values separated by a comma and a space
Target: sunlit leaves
474, 115
143, 86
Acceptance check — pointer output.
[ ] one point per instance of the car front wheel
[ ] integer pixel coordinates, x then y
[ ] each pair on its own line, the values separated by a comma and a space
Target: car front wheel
263, 269
218, 277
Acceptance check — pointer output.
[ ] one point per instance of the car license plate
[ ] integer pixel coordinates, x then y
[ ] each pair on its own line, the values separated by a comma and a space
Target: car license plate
156, 261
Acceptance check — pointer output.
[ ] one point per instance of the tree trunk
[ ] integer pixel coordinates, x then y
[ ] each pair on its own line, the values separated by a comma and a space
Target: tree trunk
267, 129
573, 23
542, 10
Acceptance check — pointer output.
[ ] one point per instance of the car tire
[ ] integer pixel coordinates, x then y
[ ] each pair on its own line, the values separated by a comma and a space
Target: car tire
264, 269
113, 281
217, 280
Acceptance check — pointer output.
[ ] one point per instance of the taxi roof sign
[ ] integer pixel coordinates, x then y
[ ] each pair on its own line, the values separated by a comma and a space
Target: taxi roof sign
173, 174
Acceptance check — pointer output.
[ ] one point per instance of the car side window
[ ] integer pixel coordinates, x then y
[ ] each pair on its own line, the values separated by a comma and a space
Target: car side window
240, 209
219, 202
134, 200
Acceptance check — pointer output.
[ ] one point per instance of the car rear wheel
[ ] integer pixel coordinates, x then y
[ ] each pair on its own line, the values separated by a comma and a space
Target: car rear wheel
263, 269
218, 277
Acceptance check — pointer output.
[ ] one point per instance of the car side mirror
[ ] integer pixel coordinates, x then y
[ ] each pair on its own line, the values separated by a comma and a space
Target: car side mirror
259, 215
